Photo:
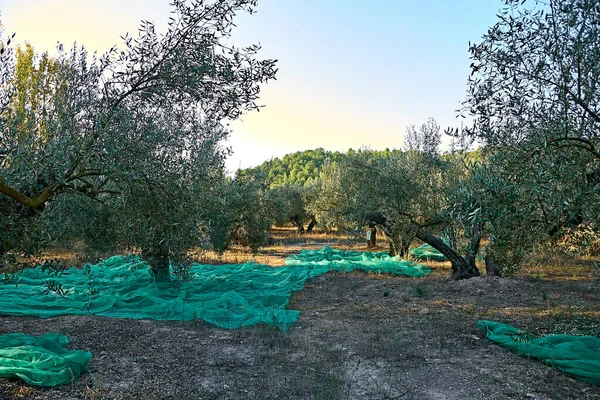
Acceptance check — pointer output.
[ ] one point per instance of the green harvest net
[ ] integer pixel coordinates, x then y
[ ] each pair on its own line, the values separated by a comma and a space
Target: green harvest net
229, 296
576, 356
346, 261
42, 361
426, 252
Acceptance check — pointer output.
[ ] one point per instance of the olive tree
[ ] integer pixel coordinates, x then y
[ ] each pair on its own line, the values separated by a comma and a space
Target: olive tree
140, 126
534, 97
535, 77
404, 193
239, 211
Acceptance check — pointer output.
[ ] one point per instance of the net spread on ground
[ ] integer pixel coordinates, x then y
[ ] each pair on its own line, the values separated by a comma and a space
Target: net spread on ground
576, 356
41, 361
229, 296
346, 261
426, 252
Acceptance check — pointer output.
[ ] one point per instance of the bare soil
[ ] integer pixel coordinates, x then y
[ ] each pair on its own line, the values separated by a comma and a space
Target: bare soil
359, 336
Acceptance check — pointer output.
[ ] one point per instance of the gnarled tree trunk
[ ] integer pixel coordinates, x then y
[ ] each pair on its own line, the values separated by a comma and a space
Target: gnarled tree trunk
373, 240
399, 247
462, 267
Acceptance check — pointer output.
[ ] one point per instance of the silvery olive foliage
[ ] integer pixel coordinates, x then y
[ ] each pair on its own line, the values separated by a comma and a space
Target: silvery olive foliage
534, 97
427, 139
138, 131
535, 75
406, 194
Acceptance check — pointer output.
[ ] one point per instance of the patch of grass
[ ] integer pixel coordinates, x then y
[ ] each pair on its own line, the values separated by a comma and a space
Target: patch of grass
23, 392
419, 291
386, 293
93, 391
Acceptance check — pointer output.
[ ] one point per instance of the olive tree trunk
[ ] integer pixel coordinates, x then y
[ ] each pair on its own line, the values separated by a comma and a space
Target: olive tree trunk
158, 258
373, 240
295, 220
311, 225
462, 267
491, 267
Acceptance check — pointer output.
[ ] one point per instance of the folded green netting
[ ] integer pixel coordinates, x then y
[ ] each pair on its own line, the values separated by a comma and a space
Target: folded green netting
229, 296
576, 356
345, 261
426, 252
42, 361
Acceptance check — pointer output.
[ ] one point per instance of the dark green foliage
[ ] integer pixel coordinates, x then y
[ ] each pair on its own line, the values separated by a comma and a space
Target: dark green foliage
302, 167
240, 211
125, 151
295, 169
420, 291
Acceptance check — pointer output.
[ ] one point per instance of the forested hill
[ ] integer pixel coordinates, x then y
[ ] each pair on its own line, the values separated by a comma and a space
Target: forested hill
292, 169
297, 168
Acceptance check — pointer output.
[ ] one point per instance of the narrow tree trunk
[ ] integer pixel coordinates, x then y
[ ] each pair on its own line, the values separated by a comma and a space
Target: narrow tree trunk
373, 241
311, 225
491, 267
298, 222
158, 258
462, 268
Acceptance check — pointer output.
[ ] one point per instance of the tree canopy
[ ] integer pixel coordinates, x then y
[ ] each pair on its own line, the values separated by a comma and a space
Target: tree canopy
140, 128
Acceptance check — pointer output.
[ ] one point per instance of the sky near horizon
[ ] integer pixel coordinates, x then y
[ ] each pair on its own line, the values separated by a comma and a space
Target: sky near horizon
352, 73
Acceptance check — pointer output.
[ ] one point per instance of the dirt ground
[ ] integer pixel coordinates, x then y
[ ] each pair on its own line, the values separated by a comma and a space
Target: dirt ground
359, 336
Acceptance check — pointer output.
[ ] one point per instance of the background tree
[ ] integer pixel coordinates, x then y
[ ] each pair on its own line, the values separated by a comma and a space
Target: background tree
238, 211
405, 194
289, 205
427, 139
294, 169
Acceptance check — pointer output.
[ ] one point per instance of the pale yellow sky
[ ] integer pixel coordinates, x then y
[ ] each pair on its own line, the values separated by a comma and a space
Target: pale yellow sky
344, 81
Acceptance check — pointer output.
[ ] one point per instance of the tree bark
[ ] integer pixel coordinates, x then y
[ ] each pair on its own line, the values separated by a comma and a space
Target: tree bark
451, 233
373, 241
462, 267
399, 247
298, 222
311, 225
158, 258
491, 267
37, 203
